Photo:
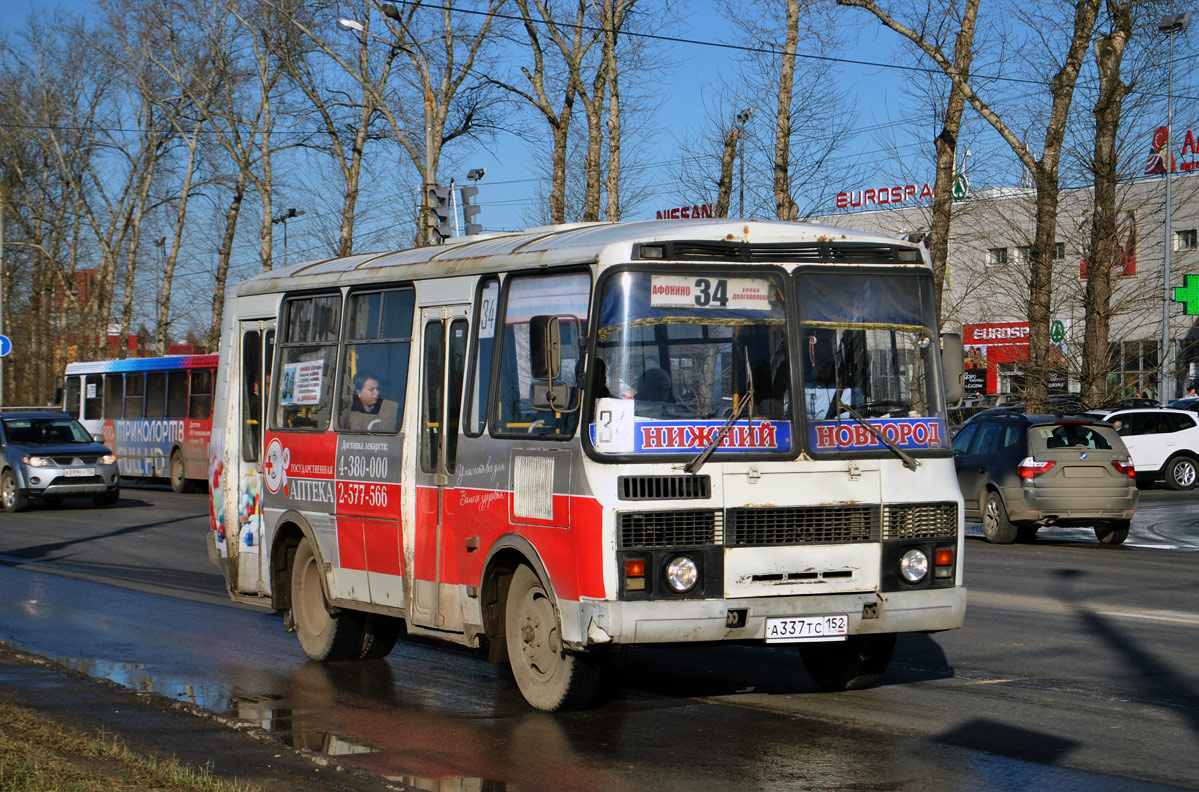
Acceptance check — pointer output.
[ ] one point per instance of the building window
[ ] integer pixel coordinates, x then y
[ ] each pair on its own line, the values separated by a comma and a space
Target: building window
1059, 251
1024, 254
1185, 240
996, 257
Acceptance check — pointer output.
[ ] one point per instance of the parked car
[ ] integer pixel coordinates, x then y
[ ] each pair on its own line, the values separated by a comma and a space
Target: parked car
1188, 403
50, 455
1164, 443
1020, 472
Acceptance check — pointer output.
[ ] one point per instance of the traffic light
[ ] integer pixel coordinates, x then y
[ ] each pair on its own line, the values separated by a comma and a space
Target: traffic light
469, 210
439, 206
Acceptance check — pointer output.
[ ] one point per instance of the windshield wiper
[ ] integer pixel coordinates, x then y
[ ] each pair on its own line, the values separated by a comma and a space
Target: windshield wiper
748, 402
909, 461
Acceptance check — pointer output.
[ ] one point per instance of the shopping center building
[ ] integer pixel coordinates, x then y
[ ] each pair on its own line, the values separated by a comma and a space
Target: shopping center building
986, 290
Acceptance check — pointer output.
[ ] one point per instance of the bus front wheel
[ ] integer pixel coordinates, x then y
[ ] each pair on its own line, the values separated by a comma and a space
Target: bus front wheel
857, 662
325, 633
549, 676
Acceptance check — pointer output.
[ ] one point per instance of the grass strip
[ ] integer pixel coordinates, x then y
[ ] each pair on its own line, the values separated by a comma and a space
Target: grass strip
40, 755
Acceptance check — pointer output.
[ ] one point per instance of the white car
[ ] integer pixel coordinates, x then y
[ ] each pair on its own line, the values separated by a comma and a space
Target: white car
1163, 443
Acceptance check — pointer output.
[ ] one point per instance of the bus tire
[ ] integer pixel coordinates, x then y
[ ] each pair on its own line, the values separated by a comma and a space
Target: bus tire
549, 676
325, 633
379, 634
857, 662
178, 473
12, 497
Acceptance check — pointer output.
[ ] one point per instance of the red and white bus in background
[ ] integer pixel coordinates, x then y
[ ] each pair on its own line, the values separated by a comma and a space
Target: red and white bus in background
155, 413
561, 441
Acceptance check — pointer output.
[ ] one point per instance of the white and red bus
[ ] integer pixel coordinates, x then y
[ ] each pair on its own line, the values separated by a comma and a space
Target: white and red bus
561, 441
155, 413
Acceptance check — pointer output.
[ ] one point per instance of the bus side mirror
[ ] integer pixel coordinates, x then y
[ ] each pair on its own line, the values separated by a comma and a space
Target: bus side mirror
953, 359
545, 347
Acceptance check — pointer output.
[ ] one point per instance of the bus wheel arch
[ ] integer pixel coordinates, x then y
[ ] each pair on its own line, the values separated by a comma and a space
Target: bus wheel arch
508, 553
550, 675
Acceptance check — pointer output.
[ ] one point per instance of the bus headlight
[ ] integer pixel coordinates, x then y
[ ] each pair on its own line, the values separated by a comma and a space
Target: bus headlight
913, 565
682, 574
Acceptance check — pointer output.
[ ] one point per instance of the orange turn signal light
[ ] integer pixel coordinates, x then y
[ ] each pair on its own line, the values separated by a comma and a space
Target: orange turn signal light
943, 556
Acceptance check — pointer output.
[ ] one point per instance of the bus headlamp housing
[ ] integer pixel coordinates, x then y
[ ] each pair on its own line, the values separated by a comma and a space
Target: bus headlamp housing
682, 574
913, 565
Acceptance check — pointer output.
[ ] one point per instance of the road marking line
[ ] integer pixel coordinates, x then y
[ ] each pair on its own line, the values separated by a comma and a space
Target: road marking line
1025, 602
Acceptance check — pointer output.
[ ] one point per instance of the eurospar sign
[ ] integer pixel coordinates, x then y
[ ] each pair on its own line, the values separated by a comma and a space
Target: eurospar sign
883, 195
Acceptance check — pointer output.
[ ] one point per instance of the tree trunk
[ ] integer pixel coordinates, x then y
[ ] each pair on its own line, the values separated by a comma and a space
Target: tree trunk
223, 256
728, 158
784, 205
1104, 250
946, 148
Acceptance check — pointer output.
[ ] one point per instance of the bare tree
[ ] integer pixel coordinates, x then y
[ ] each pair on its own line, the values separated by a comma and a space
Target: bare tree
1044, 169
1103, 250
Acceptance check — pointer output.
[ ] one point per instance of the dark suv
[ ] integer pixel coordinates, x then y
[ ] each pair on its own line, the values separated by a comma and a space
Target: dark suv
1019, 472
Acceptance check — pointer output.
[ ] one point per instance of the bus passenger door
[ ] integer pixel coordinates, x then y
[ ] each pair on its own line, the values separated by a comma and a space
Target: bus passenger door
245, 511
436, 593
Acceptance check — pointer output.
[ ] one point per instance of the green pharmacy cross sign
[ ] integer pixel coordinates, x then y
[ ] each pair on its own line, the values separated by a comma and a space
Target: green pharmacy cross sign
1188, 295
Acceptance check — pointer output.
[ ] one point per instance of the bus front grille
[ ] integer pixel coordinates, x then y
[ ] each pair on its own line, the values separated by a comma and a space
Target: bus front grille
663, 487
920, 521
669, 529
801, 525
788, 525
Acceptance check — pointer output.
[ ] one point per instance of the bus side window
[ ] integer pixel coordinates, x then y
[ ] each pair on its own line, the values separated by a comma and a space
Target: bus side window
93, 401
251, 411
156, 394
431, 422
566, 296
199, 405
114, 395
378, 341
135, 389
453, 407
71, 404
304, 395
479, 385
177, 394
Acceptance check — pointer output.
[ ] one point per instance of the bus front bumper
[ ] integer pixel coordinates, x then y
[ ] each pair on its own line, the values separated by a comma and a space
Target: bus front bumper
599, 622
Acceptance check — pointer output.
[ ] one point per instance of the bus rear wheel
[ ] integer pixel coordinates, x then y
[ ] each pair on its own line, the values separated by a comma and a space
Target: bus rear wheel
550, 677
857, 662
325, 633
179, 481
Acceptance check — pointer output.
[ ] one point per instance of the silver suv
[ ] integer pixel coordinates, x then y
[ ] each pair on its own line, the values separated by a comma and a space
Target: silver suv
1020, 472
50, 455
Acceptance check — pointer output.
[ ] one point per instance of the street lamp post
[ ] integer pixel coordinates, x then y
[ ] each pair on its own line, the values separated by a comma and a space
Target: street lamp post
742, 118
283, 217
1171, 24
426, 201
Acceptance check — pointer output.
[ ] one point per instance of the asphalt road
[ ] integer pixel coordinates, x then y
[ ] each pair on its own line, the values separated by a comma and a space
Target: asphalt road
1075, 671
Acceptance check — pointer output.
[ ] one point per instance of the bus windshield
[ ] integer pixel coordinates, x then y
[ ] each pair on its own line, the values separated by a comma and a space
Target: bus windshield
676, 355
868, 350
